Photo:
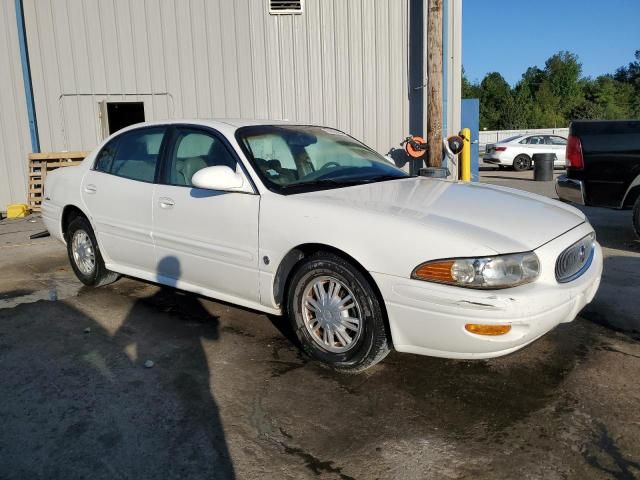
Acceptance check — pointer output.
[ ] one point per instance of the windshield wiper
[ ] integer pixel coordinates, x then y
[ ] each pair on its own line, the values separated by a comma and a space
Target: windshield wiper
320, 183
380, 178
334, 182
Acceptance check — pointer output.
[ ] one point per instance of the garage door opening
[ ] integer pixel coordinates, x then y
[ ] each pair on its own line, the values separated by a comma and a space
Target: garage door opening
123, 114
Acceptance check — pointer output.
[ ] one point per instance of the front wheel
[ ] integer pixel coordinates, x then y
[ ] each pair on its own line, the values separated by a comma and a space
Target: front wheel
84, 255
521, 163
336, 314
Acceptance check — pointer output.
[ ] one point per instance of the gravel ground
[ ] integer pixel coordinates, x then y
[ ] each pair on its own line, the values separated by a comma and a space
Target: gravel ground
137, 381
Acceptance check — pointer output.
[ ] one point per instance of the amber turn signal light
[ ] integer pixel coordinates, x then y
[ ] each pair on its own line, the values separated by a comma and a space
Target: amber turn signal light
490, 330
435, 271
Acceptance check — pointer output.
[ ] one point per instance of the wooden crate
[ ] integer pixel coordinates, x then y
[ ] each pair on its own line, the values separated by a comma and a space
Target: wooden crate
42, 163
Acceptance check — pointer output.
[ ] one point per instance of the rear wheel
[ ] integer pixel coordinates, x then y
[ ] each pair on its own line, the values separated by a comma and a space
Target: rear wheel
521, 162
84, 255
336, 314
636, 216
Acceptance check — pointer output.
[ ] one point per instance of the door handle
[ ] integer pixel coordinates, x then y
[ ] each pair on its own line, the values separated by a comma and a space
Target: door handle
166, 202
90, 188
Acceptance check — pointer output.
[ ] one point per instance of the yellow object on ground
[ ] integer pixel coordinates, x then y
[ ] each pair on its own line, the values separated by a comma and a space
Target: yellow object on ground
465, 156
17, 210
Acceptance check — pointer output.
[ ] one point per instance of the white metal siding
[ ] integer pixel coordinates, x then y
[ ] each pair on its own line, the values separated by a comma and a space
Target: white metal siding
14, 127
340, 63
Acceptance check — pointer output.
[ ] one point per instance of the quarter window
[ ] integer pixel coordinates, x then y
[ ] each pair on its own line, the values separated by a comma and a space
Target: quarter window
137, 154
105, 157
194, 150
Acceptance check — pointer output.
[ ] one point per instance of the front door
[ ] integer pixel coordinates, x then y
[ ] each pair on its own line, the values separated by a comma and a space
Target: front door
118, 191
559, 147
204, 238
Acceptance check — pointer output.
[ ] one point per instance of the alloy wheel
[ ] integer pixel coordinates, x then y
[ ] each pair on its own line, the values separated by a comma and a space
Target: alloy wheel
83, 252
332, 315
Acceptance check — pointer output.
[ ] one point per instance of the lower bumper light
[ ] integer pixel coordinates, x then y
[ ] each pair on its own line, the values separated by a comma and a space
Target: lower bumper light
489, 330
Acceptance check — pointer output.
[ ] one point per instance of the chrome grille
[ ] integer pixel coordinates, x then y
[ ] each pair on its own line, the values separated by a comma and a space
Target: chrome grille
575, 260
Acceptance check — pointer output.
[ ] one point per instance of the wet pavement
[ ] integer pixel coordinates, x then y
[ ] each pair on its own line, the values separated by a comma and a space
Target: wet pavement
230, 396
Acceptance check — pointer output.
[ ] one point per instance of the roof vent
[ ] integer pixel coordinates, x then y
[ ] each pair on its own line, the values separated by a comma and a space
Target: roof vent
285, 7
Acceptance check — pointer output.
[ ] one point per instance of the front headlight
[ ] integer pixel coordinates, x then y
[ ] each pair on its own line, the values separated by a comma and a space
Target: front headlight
501, 271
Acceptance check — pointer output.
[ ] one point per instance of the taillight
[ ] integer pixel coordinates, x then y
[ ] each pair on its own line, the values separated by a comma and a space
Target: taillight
574, 158
500, 149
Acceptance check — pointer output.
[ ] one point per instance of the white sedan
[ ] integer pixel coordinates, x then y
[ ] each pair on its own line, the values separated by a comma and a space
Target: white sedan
517, 152
308, 222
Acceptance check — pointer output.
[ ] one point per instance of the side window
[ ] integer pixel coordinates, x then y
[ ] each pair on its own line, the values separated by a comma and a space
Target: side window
137, 154
536, 141
105, 157
557, 140
194, 150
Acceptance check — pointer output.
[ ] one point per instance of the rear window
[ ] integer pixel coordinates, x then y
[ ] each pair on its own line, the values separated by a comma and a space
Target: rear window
134, 156
510, 139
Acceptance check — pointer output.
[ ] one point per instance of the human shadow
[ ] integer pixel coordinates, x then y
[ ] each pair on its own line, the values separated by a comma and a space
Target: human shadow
80, 398
197, 416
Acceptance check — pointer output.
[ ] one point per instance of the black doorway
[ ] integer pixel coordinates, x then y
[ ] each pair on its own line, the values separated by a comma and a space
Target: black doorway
123, 114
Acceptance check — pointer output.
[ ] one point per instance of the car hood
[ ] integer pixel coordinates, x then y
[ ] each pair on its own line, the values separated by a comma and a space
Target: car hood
501, 219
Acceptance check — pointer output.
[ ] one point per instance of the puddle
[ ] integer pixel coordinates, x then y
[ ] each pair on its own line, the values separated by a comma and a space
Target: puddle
57, 289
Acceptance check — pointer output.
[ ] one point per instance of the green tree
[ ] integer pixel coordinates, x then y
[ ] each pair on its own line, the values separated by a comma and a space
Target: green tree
495, 100
562, 72
554, 95
469, 90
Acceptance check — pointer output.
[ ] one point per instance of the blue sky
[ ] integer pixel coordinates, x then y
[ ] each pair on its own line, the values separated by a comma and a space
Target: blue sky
507, 36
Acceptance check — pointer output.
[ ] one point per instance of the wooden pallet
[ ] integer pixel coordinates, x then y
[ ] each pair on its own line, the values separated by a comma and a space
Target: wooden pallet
42, 163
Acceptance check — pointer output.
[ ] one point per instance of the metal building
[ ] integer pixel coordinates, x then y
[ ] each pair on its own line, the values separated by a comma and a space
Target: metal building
75, 70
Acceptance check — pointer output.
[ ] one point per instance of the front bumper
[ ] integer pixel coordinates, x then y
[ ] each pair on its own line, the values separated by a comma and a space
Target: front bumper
429, 319
570, 190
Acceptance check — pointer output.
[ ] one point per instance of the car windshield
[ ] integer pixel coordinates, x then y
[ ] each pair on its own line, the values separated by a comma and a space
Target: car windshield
294, 159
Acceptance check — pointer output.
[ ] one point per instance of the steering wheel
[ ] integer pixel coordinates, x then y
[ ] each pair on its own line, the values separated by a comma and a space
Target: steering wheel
329, 165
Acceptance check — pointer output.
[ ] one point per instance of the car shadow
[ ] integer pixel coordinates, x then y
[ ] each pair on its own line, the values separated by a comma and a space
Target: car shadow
615, 305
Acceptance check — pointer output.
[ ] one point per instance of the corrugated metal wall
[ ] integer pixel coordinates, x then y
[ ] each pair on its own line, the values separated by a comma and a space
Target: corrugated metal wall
14, 126
341, 63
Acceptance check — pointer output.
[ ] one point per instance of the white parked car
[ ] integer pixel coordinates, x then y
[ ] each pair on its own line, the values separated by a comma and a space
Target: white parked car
517, 152
307, 221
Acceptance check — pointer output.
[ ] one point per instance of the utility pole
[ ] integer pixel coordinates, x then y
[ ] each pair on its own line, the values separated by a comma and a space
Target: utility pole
434, 82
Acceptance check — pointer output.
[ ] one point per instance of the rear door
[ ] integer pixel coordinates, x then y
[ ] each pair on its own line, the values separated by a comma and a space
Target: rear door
118, 191
206, 238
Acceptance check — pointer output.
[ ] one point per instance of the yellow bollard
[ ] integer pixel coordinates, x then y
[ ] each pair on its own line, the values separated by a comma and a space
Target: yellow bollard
465, 156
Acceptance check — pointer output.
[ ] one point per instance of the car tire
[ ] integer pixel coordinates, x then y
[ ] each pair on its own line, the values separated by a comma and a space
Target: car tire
318, 312
521, 163
636, 216
84, 255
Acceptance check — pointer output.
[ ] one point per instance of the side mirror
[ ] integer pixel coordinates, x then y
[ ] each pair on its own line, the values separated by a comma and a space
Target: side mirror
219, 178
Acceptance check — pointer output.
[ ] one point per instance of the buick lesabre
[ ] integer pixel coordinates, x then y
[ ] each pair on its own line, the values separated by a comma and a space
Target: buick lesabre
307, 222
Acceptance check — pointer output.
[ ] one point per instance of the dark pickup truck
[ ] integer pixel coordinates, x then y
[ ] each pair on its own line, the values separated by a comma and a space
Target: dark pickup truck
603, 165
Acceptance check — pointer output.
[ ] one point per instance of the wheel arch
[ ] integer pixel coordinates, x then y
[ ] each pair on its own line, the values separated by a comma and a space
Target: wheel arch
632, 193
293, 258
69, 213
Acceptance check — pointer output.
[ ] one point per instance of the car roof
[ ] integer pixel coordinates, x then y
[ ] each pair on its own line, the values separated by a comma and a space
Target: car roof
218, 123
